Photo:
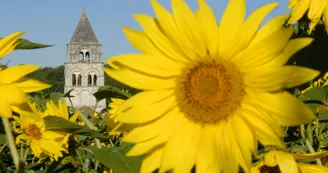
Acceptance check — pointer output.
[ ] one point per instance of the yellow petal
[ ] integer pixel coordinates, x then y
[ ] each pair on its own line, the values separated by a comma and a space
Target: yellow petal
226, 147
206, 159
152, 129
140, 81
280, 77
246, 143
325, 16
12, 94
285, 108
310, 156
316, 9
286, 163
158, 38
252, 24
152, 161
31, 85
292, 3
311, 168
269, 28
271, 158
8, 43
168, 25
145, 98
189, 26
264, 51
141, 41
143, 147
263, 129
5, 110
180, 151
11, 74
291, 48
299, 10
151, 65
232, 20
144, 114
209, 24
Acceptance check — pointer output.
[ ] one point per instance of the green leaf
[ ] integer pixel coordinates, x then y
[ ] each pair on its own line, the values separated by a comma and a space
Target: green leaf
54, 123
114, 158
68, 93
26, 44
315, 93
110, 92
323, 116
56, 96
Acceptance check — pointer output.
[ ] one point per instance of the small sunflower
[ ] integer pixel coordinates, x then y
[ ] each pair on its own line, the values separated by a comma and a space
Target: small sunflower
209, 89
113, 115
13, 84
315, 8
34, 133
281, 162
61, 111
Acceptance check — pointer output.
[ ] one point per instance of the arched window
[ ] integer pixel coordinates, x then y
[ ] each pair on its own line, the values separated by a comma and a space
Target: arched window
73, 79
94, 80
81, 56
79, 80
87, 56
89, 80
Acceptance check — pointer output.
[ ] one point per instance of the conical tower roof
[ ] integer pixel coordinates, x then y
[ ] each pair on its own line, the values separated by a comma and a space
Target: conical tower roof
84, 33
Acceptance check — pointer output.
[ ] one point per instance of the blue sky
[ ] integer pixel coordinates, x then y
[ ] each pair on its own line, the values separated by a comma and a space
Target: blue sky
53, 22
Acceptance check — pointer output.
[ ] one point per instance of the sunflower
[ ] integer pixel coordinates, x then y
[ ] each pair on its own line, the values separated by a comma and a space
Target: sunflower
61, 111
315, 9
13, 84
113, 114
281, 162
35, 134
209, 89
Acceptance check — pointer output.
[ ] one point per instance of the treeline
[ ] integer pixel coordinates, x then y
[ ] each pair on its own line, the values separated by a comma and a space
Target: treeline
55, 77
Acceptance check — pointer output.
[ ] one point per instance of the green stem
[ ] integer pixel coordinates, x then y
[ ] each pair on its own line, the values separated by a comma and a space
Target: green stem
11, 142
308, 144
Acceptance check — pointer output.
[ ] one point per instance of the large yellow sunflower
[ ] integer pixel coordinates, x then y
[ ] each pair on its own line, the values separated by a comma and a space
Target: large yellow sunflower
281, 162
13, 84
210, 93
35, 134
316, 9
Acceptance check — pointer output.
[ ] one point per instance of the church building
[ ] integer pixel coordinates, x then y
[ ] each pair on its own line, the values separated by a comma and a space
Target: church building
84, 67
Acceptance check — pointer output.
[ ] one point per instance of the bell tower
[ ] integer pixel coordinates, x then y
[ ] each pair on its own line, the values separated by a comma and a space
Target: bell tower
84, 67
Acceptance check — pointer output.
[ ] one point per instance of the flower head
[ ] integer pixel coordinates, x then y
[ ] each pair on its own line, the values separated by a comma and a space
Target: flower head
314, 8
209, 89
281, 162
35, 134
13, 84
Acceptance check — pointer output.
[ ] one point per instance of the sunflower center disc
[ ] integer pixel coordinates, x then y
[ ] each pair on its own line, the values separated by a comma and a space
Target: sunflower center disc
209, 91
34, 131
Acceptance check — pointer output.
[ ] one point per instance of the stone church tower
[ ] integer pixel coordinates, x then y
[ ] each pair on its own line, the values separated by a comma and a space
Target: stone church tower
84, 67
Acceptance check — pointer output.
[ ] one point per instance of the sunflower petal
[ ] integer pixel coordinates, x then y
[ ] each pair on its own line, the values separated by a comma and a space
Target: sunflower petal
208, 21
152, 161
31, 85
180, 150
8, 43
5, 110
286, 163
284, 108
12, 94
206, 159
235, 11
299, 10
189, 26
158, 38
312, 168
310, 156
168, 25
140, 81
152, 65
11, 74
280, 77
